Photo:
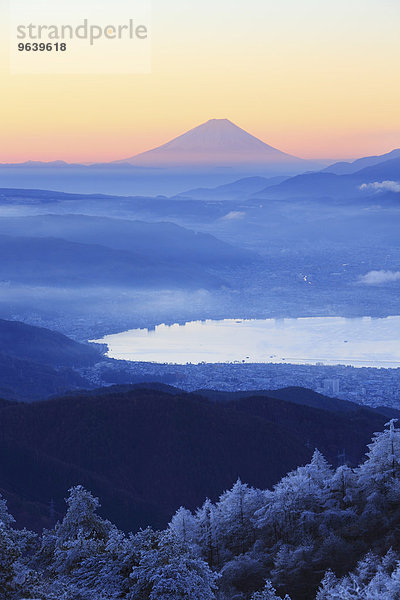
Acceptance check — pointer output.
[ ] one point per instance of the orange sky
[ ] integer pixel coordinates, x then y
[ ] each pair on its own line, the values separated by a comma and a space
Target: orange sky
315, 79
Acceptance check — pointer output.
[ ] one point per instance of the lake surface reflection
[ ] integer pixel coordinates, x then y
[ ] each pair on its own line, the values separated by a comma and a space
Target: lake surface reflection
330, 340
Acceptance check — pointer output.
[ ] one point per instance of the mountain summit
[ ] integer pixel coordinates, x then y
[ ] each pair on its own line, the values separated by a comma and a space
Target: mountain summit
218, 142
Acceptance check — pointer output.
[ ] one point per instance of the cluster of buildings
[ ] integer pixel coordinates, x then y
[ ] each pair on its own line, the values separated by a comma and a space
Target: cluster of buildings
368, 386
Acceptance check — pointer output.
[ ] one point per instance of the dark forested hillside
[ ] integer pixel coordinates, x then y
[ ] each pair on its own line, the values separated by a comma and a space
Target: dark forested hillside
43, 346
26, 380
37, 363
147, 451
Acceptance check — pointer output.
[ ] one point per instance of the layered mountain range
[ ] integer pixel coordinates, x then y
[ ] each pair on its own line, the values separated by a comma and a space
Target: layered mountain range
214, 153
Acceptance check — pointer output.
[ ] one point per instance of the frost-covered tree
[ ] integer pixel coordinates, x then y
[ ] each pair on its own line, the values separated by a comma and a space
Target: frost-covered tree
15, 573
60, 589
5, 518
381, 471
342, 488
268, 593
293, 567
9, 554
207, 521
105, 573
234, 518
373, 579
81, 521
328, 584
75, 551
290, 511
379, 484
394, 583
241, 575
170, 571
184, 527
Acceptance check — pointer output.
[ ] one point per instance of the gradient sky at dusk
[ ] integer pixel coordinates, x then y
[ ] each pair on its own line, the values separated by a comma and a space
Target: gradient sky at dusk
316, 78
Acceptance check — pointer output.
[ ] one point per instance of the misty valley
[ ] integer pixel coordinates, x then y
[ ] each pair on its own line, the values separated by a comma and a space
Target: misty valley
91, 266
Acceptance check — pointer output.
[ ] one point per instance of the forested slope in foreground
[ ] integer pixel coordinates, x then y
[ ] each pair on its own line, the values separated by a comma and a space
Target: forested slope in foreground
146, 450
323, 533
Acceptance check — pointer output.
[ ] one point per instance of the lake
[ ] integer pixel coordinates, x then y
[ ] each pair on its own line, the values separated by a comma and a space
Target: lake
360, 342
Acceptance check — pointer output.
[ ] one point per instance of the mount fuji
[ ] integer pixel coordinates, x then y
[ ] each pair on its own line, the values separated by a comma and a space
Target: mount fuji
215, 153
216, 143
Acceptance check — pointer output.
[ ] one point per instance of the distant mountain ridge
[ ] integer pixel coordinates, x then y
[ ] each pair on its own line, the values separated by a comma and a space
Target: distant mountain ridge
347, 168
164, 240
339, 179
53, 262
233, 191
324, 184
